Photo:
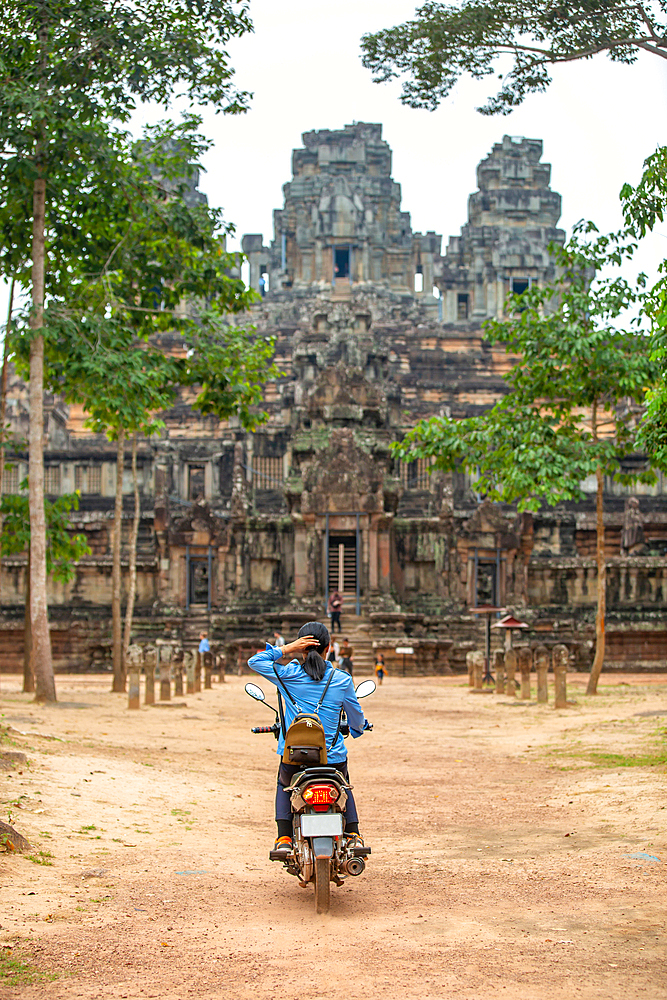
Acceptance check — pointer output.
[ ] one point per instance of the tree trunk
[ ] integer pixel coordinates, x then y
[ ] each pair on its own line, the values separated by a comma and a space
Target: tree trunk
596, 669
45, 688
116, 580
28, 666
132, 582
3, 399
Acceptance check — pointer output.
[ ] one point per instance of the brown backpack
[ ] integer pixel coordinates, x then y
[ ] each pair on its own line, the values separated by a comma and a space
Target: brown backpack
305, 740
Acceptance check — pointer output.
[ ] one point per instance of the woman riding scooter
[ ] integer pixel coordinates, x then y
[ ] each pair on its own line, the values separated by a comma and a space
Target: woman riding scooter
306, 683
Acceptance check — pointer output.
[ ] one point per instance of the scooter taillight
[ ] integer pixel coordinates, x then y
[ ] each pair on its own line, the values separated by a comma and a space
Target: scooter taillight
320, 796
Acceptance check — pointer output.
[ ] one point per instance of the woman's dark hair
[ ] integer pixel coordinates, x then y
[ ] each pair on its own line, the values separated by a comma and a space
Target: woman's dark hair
314, 664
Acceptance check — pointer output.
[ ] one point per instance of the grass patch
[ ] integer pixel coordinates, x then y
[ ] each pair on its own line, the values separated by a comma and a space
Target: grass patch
40, 858
16, 972
655, 756
658, 759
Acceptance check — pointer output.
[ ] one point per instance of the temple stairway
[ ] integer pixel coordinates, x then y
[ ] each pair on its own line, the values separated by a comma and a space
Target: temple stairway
197, 621
358, 631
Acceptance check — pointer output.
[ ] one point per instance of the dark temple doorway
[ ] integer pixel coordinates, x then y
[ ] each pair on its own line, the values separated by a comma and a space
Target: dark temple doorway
341, 262
343, 564
199, 576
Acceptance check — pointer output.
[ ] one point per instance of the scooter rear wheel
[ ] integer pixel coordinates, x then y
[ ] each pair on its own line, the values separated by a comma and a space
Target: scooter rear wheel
322, 885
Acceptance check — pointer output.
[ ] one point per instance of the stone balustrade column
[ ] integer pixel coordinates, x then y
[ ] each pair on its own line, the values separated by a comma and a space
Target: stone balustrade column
560, 656
510, 672
541, 669
208, 670
525, 658
499, 667
197, 672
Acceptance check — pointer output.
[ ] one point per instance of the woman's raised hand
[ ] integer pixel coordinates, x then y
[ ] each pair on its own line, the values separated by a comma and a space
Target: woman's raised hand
300, 645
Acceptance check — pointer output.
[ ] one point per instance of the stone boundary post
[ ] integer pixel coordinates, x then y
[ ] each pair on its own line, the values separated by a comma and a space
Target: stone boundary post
470, 664
150, 658
221, 660
560, 656
499, 667
478, 669
198, 659
208, 670
189, 664
525, 658
510, 672
135, 656
177, 667
541, 669
165, 673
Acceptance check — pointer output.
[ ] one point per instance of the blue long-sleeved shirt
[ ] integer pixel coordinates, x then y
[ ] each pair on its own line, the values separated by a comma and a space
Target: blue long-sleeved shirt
307, 692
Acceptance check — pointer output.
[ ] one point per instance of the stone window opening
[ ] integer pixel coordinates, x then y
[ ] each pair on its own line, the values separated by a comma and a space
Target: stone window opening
88, 479
341, 262
52, 480
267, 472
519, 285
263, 282
10, 479
415, 475
196, 481
419, 278
462, 306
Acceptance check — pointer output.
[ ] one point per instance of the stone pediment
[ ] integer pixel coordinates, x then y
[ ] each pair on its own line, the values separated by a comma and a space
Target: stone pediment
343, 477
197, 527
346, 394
489, 519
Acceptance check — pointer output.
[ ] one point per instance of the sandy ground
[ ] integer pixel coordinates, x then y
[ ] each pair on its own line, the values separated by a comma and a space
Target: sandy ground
505, 863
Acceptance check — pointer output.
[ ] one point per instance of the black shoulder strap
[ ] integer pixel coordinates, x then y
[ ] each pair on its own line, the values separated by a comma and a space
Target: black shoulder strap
340, 723
281, 711
281, 683
324, 693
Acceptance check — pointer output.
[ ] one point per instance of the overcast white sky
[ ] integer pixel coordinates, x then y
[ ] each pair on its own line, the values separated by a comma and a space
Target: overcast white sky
598, 122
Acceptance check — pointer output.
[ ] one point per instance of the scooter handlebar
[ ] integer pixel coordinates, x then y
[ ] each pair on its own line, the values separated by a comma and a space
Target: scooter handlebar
263, 729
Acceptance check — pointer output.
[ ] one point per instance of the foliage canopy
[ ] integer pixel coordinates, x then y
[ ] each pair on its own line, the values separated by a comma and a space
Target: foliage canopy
570, 406
444, 42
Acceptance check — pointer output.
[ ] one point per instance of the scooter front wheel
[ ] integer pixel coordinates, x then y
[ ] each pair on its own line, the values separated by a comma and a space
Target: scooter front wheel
322, 885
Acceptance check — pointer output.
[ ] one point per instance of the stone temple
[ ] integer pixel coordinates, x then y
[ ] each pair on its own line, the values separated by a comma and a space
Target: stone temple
375, 329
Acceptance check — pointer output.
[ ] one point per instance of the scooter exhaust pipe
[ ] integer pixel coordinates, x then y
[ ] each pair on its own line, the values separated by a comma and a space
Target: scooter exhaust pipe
355, 866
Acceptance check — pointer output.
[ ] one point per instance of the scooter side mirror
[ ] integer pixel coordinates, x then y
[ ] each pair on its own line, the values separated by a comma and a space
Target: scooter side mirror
255, 691
365, 688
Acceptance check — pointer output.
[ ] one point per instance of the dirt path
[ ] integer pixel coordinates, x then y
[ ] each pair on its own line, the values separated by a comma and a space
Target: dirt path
502, 865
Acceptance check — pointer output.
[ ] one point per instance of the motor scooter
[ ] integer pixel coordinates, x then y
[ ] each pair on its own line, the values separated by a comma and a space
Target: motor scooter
318, 794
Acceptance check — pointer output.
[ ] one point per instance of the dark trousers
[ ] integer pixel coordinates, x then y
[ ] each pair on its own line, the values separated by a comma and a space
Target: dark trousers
335, 620
285, 774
